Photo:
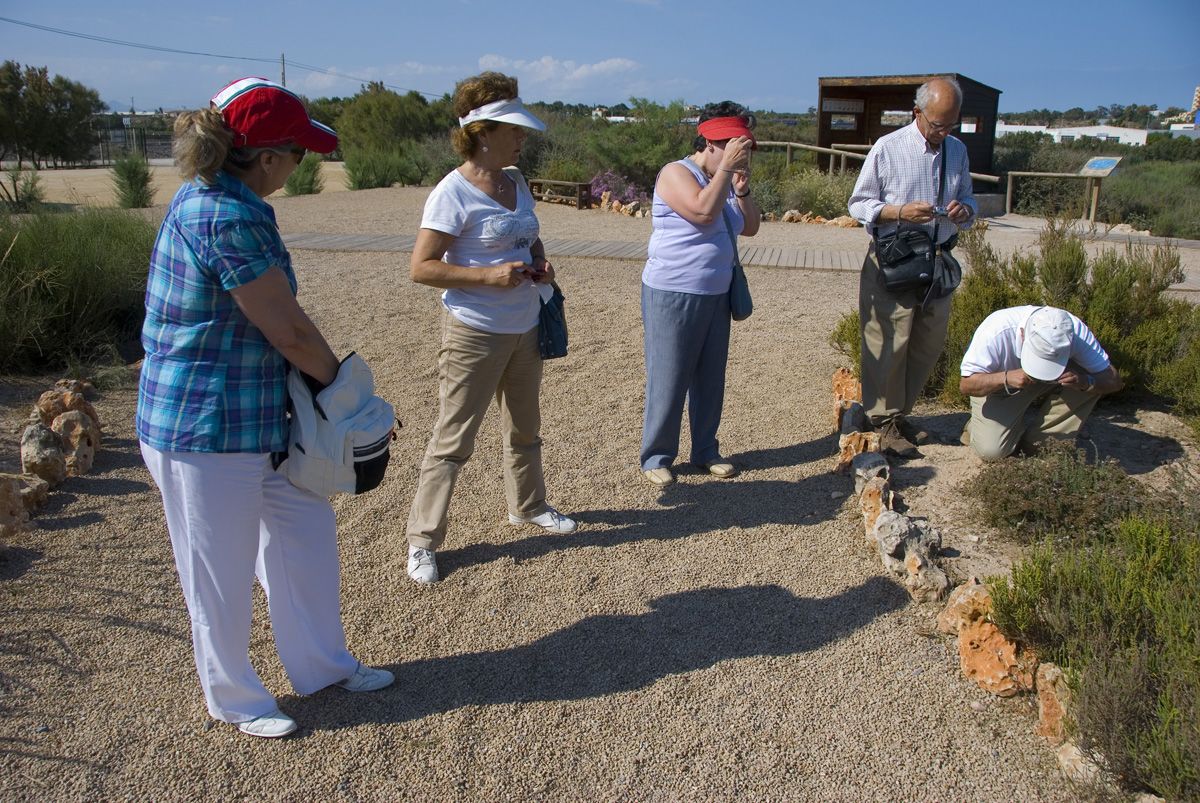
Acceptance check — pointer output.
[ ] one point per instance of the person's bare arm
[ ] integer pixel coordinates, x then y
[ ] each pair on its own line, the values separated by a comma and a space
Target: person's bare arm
702, 205
427, 267
269, 304
985, 384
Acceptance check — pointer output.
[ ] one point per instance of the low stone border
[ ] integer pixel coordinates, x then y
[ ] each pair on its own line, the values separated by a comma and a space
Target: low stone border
909, 549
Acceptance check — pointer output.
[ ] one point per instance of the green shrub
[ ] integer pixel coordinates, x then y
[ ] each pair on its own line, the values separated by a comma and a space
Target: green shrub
1054, 492
433, 157
72, 285
370, 169
1122, 616
131, 180
23, 191
810, 190
306, 178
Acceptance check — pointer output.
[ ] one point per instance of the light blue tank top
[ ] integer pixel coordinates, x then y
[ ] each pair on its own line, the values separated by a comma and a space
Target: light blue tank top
685, 257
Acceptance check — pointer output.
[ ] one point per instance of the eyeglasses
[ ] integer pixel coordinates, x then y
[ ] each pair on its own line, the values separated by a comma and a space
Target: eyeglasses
947, 127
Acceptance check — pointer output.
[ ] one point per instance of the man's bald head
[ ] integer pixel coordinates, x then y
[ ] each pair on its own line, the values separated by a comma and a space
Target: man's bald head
939, 101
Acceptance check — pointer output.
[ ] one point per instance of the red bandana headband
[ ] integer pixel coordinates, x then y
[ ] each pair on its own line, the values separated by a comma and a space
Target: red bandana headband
717, 129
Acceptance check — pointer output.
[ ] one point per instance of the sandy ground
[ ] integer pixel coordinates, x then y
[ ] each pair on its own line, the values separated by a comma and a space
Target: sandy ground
716, 640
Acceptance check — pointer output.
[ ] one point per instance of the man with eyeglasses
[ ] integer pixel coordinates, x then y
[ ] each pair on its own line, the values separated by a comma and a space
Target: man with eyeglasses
903, 332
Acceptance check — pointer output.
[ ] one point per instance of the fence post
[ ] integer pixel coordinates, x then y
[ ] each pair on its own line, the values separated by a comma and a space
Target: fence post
1095, 200
1008, 193
789, 156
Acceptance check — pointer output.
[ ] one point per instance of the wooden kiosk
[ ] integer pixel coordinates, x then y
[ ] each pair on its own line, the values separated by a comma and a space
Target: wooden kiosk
857, 111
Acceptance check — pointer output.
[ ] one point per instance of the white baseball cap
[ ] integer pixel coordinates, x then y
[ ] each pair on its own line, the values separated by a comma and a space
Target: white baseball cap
1049, 336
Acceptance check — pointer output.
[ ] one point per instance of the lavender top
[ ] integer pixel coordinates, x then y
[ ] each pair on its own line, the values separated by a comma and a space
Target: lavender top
685, 257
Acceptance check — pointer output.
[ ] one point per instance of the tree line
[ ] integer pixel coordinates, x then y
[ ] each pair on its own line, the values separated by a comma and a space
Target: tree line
45, 120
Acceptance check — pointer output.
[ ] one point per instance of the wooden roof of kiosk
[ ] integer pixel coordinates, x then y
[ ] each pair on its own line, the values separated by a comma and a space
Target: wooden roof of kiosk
858, 110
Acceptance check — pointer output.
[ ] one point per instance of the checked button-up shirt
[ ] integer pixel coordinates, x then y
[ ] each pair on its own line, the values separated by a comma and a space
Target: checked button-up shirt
902, 168
211, 382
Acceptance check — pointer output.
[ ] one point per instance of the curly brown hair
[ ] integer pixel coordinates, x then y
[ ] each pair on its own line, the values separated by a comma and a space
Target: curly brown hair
471, 93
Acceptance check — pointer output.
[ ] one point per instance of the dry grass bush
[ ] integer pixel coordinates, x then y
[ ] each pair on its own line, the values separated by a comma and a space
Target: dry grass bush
72, 285
306, 178
1056, 492
131, 180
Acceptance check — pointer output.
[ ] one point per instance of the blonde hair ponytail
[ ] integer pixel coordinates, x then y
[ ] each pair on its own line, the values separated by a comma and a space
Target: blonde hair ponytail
201, 144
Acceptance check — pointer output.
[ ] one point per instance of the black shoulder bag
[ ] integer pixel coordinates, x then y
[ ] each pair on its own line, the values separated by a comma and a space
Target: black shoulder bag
910, 259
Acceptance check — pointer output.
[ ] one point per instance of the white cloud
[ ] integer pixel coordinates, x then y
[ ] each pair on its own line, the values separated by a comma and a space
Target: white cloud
549, 73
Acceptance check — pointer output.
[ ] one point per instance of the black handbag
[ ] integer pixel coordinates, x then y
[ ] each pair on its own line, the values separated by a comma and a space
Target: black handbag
552, 326
910, 259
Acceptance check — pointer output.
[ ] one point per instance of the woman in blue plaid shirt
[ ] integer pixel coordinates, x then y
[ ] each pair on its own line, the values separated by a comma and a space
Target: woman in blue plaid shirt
222, 325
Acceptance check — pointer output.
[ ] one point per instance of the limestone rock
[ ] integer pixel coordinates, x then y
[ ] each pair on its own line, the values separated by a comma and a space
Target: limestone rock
770, 217
853, 417
1053, 696
42, 454
53, 403
35, 491
605, 199
992, 661
791, 216
970, 602
889, 532
13, 515
80, 386
844, 222
925, 580
616, 206
1076, 766
631, 208
853, 444
868, 465
876, 497
815, 219
80, 438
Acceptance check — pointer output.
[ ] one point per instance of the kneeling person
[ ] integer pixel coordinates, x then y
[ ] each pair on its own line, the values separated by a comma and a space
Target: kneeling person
1033, 360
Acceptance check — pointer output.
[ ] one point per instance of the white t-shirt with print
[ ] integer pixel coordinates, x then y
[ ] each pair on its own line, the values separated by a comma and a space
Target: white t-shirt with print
996, 345
486, 234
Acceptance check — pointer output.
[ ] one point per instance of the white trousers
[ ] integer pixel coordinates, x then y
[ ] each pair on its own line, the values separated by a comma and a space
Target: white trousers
232, 518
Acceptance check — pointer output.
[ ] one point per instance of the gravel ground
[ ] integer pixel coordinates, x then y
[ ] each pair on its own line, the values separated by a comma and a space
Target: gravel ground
719, 639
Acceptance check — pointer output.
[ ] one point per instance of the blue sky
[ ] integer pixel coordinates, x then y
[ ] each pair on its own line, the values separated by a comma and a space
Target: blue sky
767, 55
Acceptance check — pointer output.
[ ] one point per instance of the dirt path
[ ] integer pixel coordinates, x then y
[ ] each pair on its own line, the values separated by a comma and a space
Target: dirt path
721, 639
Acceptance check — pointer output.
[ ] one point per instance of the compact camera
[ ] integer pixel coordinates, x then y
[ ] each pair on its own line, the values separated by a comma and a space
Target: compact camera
941, 211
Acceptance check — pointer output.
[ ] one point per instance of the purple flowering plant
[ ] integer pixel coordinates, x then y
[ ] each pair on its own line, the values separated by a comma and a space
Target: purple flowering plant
622, 189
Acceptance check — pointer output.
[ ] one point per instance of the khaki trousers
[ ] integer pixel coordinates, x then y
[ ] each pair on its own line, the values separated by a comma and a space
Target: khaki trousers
901, 342
998, 422
474, 366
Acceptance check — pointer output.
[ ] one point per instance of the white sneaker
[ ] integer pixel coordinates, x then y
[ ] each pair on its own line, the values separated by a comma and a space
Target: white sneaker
422, 567
550, 520
367, 678
269, 726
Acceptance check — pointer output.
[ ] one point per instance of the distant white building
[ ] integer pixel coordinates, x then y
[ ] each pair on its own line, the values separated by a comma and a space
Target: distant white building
1102, 133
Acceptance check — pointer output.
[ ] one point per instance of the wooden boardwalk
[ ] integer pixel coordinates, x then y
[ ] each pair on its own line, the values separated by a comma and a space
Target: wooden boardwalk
769, 256
757, 255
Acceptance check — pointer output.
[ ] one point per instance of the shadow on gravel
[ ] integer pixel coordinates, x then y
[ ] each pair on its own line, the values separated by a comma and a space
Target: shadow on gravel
16, 560
603, 655
687, 509
788, 456
1106, 436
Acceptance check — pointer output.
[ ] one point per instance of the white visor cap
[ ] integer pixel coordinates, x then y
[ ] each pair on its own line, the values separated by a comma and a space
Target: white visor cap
504, 111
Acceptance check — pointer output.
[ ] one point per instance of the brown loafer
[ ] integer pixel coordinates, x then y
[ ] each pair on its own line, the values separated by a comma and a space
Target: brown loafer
892, 442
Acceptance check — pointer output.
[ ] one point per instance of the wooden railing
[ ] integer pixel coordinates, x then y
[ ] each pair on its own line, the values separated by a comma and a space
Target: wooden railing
844, 152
